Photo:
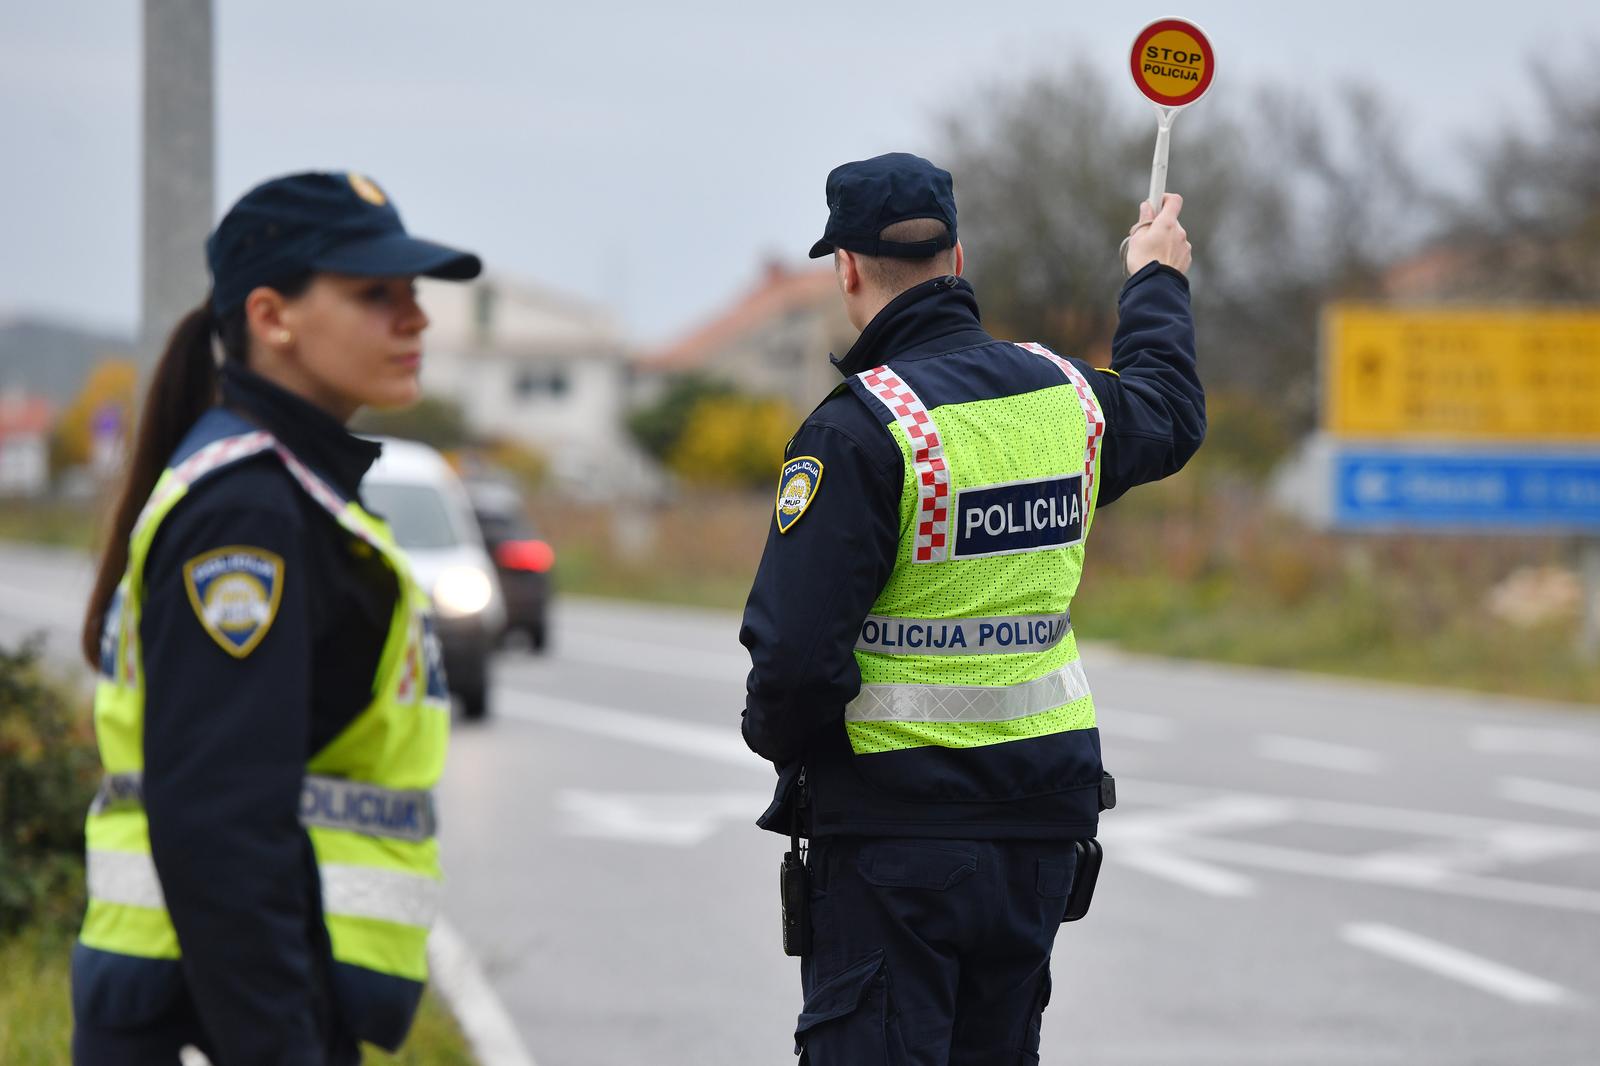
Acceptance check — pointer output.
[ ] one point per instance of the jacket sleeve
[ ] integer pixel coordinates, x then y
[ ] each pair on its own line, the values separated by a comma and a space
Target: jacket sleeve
225, 752
1153, 401
815, 586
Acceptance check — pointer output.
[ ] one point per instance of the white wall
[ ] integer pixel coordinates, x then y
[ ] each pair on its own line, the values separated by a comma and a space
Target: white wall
535, 367
24, 465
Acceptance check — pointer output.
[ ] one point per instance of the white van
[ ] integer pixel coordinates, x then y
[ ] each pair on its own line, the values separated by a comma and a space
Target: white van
415, 491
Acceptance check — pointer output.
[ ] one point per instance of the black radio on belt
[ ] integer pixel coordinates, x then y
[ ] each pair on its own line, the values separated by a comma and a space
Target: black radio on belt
794, 883
794, 886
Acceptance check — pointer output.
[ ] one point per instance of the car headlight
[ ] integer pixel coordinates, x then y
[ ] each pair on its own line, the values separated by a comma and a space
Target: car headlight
462, 590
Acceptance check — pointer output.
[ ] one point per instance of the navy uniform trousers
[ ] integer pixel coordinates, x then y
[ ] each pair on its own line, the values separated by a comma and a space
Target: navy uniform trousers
930, 952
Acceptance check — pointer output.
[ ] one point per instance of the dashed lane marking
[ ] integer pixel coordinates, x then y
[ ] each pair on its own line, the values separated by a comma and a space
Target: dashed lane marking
721, 745
1457, 965
676, 819
1190, 873
1549, 794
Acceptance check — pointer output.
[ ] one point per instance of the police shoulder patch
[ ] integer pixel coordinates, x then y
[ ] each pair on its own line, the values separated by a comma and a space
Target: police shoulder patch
797, 487
235, 593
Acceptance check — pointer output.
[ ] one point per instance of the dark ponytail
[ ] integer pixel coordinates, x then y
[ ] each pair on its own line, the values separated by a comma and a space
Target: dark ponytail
183, 386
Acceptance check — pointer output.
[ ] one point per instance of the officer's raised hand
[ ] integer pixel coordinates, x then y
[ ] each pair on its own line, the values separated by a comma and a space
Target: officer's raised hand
1159, 238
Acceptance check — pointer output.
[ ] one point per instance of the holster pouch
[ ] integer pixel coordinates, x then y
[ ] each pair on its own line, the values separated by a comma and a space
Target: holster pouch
1084, 875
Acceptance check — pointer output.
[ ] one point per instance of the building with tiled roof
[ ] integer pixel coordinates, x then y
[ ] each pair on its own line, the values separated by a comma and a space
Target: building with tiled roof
529, 364
772, 340
24, 443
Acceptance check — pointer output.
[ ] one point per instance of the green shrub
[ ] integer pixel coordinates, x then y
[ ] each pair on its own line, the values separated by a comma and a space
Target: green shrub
657, 426
49, 769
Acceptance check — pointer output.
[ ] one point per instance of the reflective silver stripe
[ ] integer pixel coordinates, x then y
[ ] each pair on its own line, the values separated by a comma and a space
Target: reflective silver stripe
354, 891
328, 802
963, 636
124, 877
388, 895
398, 814
968, 703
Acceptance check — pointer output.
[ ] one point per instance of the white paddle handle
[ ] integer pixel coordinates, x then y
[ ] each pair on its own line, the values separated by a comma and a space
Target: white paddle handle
1158, 167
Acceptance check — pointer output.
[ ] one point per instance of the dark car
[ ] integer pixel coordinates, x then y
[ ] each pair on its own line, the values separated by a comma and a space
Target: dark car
522, 558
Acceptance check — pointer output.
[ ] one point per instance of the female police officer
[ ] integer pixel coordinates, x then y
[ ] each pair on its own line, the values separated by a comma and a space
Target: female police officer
270, 708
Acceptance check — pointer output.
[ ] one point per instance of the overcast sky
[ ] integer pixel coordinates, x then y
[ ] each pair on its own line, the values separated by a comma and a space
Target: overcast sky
647, 157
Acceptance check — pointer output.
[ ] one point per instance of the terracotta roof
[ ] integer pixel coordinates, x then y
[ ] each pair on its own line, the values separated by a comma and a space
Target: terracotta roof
1429, 273
780, 291
23, 415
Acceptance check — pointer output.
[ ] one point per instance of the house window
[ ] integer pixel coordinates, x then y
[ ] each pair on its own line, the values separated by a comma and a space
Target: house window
531, 382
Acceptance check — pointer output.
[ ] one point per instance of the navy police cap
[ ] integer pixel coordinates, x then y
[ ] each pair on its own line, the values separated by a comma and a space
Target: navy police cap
869, 195
341, 223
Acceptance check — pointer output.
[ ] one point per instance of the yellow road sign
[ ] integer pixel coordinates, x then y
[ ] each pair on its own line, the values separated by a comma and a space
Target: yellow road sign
1472, 374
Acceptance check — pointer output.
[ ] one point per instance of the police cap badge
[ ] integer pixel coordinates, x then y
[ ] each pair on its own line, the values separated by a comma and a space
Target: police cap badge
797, 487
235, 593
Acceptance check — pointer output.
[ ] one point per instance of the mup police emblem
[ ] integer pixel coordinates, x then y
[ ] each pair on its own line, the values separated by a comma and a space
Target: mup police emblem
797, 487
235, 593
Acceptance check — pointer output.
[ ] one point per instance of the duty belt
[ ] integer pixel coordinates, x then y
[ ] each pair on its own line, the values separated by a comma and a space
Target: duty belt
325, 802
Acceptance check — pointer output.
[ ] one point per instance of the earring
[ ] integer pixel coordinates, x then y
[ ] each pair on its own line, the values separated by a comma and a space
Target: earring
283, 336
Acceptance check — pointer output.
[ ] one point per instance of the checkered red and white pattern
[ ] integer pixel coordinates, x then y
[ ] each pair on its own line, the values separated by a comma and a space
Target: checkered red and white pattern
220, 453
1091, 413
932, 544
318, 490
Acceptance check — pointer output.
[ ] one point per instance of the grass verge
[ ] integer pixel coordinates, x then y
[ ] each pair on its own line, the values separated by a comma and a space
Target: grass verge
36, 1011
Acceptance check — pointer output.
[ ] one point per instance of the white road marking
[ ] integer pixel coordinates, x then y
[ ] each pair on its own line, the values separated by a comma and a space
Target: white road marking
671, 819
655, 658
1200, 816
1119, 724
1549, 794
1318, 753
1418, 878
1202, 877
1455, 964
1520, 741
720, 745
726, 746
484, 1019
1497, 846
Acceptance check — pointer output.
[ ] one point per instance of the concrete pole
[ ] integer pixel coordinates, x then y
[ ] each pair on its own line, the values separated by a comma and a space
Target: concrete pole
178, 166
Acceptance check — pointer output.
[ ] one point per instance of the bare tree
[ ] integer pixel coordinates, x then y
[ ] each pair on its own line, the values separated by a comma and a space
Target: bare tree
1530, 228
1290, 205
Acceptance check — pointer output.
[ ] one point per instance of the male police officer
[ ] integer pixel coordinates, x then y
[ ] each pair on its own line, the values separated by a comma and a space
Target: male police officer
915, 675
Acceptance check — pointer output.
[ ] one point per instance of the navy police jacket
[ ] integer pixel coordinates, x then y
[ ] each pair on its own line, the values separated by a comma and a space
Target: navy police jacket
816, 585
227, 741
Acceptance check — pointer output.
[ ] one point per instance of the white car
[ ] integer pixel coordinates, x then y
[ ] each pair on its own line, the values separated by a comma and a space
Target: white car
415, 491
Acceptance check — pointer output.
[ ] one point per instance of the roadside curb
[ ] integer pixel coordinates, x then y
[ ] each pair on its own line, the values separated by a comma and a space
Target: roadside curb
473, 1001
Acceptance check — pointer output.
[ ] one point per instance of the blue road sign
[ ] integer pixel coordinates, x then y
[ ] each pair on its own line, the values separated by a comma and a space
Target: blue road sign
1476, 491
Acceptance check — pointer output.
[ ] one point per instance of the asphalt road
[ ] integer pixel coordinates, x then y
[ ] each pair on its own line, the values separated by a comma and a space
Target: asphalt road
1301, 871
